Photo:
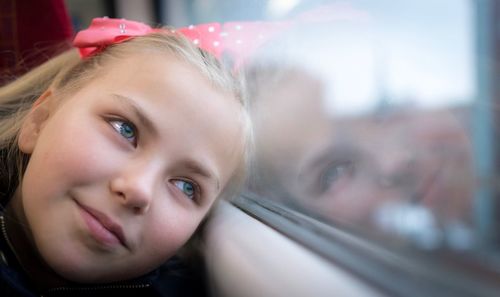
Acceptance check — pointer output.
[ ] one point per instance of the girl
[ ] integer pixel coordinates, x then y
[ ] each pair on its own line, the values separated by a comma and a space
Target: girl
110, 161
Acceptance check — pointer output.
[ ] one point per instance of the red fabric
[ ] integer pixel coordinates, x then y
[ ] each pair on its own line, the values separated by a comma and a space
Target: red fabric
28, 30
239, 40
105, 31
206, 36
242, 39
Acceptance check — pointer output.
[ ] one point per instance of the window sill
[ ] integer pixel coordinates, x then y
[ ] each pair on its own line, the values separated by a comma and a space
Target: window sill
247, 258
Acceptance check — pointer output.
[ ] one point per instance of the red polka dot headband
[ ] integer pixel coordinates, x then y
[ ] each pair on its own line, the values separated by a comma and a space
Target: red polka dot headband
238, 39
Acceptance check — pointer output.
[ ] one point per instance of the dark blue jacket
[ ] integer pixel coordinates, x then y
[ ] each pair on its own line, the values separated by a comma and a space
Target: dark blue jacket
171, 279
174, 278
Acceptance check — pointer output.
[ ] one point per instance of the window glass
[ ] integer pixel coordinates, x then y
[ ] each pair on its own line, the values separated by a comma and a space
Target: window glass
376, 117
379, 116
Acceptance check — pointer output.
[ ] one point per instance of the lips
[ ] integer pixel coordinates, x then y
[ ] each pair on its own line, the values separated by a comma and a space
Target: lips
102, 228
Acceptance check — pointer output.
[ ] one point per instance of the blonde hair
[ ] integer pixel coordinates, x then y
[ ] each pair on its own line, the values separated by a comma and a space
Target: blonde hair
68, 73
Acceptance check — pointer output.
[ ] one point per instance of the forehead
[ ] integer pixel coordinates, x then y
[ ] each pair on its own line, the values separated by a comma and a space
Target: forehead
152, 68
181, 103
163, 76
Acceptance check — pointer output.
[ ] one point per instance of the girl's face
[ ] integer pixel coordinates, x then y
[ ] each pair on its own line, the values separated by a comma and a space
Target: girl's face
123, 171
351, 169
412, 159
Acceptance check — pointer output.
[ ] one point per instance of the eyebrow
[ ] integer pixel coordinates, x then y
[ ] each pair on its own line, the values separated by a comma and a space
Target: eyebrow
198, 169
191, 165
131, 105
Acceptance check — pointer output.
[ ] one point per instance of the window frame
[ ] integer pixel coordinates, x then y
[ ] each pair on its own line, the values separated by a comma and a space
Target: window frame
396, 272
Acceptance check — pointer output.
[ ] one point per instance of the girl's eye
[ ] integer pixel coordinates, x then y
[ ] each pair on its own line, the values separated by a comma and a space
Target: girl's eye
126, 129
335, 173
188, 188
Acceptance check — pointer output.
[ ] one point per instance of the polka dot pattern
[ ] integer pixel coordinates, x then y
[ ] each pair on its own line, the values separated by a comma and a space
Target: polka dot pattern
236, 39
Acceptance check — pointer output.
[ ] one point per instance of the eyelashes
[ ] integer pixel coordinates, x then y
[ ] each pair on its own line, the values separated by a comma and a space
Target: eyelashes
130, 133
189, 189
333, 176
126, 129
334, 173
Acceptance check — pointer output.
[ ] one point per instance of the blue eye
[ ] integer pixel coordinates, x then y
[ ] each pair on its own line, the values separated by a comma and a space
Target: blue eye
188, 188
126, 129
334, 173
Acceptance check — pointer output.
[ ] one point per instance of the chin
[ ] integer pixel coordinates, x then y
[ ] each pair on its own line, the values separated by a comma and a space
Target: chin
96, 275
80, 268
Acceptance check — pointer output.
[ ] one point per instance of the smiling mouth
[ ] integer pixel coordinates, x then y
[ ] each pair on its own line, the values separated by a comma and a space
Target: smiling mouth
102, 228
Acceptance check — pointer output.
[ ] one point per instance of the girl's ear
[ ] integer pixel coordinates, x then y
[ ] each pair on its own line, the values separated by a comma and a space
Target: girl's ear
34, 122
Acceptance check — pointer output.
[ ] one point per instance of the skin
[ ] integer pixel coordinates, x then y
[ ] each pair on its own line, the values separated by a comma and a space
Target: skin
88, 167
418, 158
348, 168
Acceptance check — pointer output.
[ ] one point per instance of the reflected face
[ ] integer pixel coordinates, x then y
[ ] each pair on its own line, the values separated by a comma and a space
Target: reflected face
419, 158
123, 171
349, 168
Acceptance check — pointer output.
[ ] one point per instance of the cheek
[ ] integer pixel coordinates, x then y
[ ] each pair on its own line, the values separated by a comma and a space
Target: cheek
167, 231
71, 152
355, 202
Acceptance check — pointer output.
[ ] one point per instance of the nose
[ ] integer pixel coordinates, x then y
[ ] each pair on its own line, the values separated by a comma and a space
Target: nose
134, 187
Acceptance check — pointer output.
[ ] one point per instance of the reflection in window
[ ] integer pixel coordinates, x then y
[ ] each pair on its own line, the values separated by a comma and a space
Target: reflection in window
367, 118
